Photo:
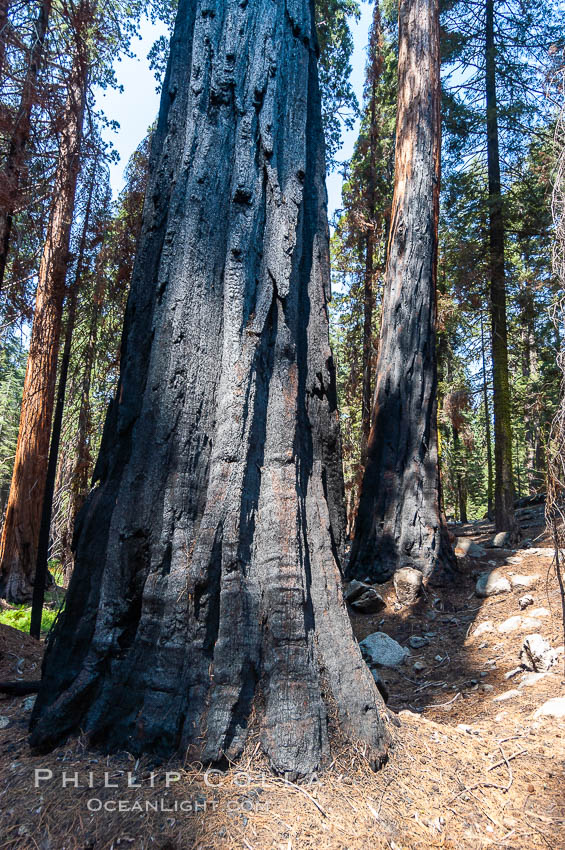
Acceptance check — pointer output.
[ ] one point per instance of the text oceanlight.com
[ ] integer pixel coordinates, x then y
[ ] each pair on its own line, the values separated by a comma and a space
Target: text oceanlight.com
131, 781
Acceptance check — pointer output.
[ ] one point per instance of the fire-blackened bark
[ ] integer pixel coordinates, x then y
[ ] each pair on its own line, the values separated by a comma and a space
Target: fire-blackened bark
206, 592
18, 547
503, 481
10, 176
398, 521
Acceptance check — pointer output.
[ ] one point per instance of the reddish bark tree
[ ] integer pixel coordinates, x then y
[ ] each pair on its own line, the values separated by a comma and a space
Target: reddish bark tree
11, 173
18, 546
399, 520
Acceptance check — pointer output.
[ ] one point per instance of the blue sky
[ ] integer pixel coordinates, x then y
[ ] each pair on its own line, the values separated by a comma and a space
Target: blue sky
136, 107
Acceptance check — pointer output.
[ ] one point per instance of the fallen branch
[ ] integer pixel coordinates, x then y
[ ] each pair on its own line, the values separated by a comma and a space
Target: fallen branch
19, 689
505, 760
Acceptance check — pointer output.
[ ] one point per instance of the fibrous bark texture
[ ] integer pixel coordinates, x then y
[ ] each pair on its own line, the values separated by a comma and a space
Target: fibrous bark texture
20, 533
399, 520
206, 593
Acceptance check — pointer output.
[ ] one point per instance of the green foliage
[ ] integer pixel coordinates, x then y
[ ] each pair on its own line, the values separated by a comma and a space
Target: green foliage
526, 38
463, 307
20, 618
339, 104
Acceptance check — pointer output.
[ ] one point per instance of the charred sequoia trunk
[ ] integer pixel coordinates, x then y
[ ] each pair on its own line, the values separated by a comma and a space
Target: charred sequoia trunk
18, 546
399, 521
10, 176
206, 592
503, 481
369, 276
368, 309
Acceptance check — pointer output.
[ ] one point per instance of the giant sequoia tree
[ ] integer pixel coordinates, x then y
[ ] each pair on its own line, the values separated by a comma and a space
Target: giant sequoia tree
399, 519
20, 532
206, 593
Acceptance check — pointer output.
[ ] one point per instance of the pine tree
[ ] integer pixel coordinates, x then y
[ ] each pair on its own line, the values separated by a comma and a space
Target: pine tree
499, 56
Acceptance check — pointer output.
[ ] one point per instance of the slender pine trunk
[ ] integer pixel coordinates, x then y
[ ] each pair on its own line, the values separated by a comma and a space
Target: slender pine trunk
503, 484
460, 482
82, 467
490, 476
368, 309
79, 270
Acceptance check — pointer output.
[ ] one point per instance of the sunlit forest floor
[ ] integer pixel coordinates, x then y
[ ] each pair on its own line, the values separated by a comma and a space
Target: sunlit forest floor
471, 765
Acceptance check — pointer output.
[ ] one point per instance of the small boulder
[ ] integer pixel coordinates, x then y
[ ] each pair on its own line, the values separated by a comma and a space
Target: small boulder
363, 597
369, 602
492, 584
500, 540
540, 612
484, 628
512, 673
552, 708
537, 655
468, 548
4, 721
419, 666
529, 679
519, 623
354, 589
383, 651
524, 582
407, 584
526, 600
417, 642
506, 695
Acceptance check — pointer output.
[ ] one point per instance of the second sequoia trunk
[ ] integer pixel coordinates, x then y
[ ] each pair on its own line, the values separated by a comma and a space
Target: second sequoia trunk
399, 519
206, 594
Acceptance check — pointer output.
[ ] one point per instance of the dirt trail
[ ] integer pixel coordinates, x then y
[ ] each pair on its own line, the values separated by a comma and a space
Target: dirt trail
471, 767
